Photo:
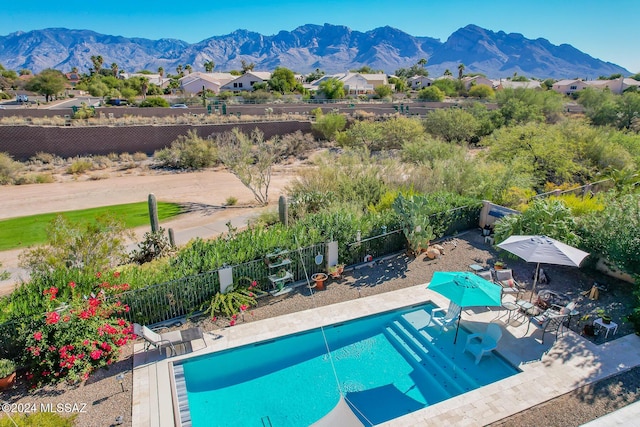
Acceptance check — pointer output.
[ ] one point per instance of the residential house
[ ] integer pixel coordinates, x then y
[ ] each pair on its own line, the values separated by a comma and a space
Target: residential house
419, 82
154, 79
616, 86
246, 81
470, 81
73, 78
354, 83
194, 82
569, 86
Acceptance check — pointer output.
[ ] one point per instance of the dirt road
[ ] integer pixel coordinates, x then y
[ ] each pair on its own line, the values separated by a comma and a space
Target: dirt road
205, 192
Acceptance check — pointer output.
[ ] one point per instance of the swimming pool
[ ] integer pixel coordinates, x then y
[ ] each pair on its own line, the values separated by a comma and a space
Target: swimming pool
386, 365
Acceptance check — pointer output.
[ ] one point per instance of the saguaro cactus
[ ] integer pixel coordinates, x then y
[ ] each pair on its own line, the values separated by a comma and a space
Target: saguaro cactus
153, 213
283, 210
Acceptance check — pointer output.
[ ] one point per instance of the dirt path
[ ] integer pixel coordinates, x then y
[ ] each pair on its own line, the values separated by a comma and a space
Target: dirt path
205, 192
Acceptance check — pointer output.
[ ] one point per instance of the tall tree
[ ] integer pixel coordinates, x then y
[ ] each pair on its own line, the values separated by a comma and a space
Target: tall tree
246, 67
209, 66
144, 86
161, 71
49, 83
114, 69
282, 80
332, 88
97, 62
179, 70
422, 62
460, 71
188, 68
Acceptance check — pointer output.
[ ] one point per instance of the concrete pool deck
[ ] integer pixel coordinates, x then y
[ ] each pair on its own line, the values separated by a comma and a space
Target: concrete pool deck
548, 370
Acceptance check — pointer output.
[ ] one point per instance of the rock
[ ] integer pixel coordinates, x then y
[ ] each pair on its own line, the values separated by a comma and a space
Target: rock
433, 253
439, 247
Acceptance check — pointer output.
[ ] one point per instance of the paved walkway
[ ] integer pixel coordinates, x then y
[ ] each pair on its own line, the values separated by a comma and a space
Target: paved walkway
548, 370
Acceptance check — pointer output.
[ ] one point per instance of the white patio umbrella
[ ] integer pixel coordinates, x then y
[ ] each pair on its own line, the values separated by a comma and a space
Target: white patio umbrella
543, 249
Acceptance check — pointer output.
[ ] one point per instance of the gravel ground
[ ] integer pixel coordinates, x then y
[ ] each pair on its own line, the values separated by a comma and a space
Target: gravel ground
105, 399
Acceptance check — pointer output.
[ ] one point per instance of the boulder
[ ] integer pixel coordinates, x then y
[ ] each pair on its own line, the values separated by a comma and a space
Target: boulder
433, 253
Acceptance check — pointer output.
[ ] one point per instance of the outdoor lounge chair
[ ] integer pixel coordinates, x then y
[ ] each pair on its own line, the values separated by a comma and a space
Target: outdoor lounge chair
487, 341
509, 285
166, 339
450, 316
486, 275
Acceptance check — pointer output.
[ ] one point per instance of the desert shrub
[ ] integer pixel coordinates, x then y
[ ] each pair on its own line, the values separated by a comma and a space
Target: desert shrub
80, 166
327, 125
386, 135
188, 152
125, 157
154, 245
481, 91
46, 158
431, 93
9, 169
582, 205
35, 178
295, 144
452, 125
101, 162
114, 157
139, 156
426, 151
154, 101
231, 201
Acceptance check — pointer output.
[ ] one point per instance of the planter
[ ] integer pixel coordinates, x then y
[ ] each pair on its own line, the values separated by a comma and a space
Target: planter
319, 279
606, 319
336, 272
7, 381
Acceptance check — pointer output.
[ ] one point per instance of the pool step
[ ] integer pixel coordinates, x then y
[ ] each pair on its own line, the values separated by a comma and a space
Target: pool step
446, 363
398, 341
436, 366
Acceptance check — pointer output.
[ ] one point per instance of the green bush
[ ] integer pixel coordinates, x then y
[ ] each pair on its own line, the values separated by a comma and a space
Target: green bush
80, 166
188, 152
328, 125
39, 419
231, 201
154, 101
431, 93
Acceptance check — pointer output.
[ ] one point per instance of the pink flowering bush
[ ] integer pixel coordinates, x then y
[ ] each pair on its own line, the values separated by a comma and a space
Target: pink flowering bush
72, 341
237, 299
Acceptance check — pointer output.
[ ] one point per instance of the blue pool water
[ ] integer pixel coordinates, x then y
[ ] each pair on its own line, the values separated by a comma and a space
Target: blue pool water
387, 365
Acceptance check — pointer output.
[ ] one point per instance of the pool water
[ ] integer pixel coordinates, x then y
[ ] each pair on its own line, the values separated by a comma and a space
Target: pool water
387, 365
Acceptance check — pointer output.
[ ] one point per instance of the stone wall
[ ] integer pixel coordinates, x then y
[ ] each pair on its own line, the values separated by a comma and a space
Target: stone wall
22, 142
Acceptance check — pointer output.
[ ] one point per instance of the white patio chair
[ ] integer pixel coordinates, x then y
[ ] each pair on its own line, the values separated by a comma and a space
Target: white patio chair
450, 315
487, 341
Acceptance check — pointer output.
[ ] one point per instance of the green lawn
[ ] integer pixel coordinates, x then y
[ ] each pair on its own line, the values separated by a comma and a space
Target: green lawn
31, 230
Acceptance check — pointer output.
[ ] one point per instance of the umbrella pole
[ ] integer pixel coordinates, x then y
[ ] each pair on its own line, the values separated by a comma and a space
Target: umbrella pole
535, 280
457, 328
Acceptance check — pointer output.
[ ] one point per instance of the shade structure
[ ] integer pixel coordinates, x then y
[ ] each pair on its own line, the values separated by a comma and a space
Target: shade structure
543, 249
466, 289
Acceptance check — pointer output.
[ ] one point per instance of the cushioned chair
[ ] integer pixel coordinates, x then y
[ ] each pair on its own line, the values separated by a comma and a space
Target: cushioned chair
486, 275
549, 321
450, 315
166, 339
509, 285
482, 344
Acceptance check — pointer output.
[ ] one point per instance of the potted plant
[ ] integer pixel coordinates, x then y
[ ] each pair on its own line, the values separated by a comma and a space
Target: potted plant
336, 271
604, 315
7, 373
499, 265
588, 329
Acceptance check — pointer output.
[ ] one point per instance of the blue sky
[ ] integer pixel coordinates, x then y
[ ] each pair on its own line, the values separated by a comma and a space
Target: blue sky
608, 31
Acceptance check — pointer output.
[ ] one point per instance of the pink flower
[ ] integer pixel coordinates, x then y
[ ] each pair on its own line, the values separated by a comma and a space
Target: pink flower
116, 274
243, 307
37, 336
98, 274
52, 318
85, 342
253, 284
66, 318
72, 285
95, 354
233, 322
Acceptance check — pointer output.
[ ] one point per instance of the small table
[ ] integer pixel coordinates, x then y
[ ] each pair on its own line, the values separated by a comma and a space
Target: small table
510, 307
608, 326
476, 267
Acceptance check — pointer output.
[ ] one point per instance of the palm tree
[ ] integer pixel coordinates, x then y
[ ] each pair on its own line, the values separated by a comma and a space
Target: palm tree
179, 70
422, 62
114, 69
209, 66
460, 71
144, 85
447, 72
97, 63
161, 71
188, 68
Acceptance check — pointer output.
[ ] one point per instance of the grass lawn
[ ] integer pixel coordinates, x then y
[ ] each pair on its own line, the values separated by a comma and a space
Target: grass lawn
31, 230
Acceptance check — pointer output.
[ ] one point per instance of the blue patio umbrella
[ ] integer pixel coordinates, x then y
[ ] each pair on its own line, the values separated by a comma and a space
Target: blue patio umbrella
467, 290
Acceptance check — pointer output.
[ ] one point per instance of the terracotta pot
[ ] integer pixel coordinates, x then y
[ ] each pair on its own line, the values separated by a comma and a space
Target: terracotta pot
8, 381
319, 278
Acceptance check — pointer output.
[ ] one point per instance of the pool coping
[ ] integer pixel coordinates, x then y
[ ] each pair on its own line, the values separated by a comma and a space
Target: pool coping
555, 367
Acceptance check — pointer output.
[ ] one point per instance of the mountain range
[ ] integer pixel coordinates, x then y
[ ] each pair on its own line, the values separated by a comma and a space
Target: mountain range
331, 48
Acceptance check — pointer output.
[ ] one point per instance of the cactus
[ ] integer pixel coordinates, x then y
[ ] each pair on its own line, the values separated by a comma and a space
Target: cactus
172, 238
283, 210
153, 213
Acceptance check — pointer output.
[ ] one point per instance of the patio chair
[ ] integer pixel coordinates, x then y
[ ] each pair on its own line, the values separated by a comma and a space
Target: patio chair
486, 275
547, 321
509, 284
487, 341
450, 315
166, 339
